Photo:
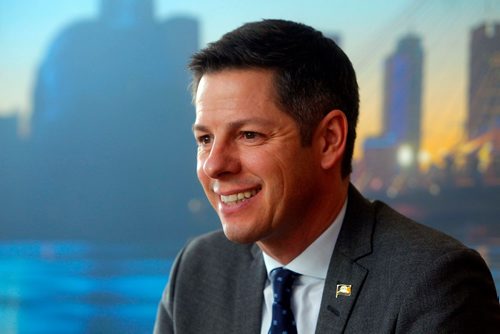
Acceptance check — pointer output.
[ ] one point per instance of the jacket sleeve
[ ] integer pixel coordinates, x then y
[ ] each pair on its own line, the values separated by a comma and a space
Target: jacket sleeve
454, 294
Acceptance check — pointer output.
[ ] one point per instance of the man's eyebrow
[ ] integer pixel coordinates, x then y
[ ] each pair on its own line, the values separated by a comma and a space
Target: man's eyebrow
236, 124
199, 127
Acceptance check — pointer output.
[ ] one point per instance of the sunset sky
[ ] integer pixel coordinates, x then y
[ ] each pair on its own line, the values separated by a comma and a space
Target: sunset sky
369, 31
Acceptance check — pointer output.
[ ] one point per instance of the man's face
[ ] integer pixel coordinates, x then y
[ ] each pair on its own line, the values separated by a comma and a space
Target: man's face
251, 164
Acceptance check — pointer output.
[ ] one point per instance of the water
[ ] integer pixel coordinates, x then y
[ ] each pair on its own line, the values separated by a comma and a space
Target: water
74, 287
79, 288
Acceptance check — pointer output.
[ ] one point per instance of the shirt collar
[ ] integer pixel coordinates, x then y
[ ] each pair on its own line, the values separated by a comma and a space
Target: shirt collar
315, 259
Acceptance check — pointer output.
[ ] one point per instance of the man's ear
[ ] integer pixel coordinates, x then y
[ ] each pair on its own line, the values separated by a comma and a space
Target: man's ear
331, 136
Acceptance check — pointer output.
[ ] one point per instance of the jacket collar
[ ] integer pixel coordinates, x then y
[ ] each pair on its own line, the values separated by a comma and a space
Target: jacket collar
249, 296
345, 275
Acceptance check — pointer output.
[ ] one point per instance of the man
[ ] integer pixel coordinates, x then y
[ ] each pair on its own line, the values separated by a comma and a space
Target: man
301, 250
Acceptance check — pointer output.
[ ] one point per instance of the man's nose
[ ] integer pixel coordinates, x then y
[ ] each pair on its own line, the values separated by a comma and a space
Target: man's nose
222, 159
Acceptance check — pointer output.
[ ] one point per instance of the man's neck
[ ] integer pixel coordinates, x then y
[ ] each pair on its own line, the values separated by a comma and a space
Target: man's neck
285, 248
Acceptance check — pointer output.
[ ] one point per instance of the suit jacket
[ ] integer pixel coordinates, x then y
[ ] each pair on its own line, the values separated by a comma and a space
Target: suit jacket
405, 278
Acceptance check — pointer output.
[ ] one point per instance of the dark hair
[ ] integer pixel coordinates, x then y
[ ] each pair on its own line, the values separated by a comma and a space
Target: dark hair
312, 75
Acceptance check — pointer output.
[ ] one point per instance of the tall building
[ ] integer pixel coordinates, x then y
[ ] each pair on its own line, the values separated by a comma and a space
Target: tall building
114, 151
403, 94
397, 148
481, 151
484, 80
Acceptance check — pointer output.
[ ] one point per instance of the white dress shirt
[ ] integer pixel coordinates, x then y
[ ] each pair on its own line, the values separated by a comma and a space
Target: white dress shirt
312, 265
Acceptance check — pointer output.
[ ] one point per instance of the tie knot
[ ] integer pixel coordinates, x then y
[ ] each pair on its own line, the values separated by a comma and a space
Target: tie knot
282, 284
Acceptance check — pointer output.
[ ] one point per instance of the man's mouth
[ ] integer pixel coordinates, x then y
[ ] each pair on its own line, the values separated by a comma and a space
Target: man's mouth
239, 197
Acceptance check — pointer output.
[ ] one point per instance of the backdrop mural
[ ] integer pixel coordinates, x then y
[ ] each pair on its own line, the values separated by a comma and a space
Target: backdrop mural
97, 161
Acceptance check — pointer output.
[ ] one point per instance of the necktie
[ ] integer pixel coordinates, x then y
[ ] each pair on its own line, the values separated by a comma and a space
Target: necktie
283, 321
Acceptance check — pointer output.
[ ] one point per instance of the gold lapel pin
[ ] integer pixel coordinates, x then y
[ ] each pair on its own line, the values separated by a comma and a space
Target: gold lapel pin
343, 290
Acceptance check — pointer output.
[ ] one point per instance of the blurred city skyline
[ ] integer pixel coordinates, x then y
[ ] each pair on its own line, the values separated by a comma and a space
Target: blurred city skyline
100, 196
368, 30
110, 155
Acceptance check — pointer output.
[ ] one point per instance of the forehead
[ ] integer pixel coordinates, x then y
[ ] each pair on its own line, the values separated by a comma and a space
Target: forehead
235, 87
234, 98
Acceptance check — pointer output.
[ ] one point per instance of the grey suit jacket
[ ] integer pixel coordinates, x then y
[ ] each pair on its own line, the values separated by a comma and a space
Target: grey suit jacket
405, 278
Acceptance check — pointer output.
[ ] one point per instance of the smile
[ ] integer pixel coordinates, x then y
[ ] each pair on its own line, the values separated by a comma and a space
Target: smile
238, 197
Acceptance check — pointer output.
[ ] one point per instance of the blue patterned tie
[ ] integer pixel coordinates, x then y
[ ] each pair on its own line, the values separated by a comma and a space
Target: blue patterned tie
283, 321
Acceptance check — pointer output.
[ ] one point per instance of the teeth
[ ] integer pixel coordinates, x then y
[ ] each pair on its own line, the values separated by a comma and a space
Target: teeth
234, 198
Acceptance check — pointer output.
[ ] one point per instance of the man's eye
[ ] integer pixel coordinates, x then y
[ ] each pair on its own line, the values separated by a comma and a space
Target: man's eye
204, 140
249, 134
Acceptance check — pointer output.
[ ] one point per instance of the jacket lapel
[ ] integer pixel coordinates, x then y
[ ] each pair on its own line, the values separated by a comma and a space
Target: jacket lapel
249, 296
345, 276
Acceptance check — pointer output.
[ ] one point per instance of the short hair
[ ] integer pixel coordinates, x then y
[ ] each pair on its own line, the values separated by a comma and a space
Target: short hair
312, 75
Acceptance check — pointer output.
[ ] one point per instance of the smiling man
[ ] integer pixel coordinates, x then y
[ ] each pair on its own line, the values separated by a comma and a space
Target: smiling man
301, 250
260, 178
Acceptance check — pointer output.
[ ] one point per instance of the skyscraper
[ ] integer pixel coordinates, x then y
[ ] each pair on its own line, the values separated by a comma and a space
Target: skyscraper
112, 128
403, 94
482, 150
398, 146
484, 80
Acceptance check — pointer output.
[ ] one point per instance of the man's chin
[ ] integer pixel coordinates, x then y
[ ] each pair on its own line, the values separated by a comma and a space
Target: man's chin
238, 236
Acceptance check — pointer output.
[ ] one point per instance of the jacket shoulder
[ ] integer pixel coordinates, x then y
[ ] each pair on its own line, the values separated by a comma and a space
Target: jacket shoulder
213, 254
398, 231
